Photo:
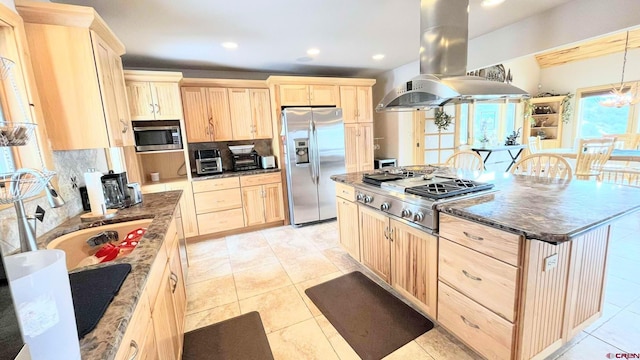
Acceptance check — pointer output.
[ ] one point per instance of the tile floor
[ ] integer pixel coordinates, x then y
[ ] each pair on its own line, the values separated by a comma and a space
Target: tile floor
268, 270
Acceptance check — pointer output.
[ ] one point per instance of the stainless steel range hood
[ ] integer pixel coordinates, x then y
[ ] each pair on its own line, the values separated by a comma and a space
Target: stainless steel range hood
443, 64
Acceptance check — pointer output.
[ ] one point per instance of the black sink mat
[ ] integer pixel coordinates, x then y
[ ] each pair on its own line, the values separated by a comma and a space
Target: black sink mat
92, 292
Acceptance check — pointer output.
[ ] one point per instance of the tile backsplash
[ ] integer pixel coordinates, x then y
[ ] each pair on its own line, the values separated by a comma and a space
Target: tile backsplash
262, 147
67, 164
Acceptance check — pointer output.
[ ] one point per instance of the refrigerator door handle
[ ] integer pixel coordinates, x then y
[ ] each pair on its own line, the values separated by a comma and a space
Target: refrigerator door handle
316, 153
311, 152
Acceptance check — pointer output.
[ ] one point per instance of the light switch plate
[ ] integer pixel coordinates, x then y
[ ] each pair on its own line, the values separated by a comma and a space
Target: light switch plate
551, 262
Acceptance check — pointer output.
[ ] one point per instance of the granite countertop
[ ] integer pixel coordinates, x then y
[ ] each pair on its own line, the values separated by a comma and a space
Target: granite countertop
103, 342
227, 174
542, 209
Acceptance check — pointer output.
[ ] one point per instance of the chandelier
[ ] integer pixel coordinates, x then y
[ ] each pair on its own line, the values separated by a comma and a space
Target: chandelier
623, 95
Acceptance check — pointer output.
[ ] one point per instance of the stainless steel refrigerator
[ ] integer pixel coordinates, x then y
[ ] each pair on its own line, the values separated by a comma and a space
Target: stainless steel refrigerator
314, 150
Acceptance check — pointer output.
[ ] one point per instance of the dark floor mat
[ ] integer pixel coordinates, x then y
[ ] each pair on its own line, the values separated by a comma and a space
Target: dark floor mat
92, 292
374, 322
239, 338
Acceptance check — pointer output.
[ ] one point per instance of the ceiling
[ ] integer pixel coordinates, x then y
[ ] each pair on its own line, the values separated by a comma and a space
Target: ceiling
274, 36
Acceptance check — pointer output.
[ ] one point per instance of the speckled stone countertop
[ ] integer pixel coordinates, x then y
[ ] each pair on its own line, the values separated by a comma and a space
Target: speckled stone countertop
103, 342
228, 174
541, 209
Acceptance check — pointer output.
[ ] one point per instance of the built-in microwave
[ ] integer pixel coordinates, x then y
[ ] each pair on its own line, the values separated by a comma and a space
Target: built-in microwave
157, 135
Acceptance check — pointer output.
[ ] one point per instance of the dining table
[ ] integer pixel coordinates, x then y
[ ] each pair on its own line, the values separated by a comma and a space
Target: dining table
616, 154
514, 152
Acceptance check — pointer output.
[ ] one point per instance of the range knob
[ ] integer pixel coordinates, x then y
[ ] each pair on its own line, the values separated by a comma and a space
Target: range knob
419, 216
405, 213
367, 199
385, 206
360, 196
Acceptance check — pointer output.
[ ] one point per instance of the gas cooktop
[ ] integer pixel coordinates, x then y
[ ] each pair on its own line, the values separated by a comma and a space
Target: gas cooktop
448, 188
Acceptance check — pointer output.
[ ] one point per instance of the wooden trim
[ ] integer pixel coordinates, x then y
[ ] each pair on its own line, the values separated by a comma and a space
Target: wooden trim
308, 80
242, 230
419, 123
68, 15
227, 83
154, 76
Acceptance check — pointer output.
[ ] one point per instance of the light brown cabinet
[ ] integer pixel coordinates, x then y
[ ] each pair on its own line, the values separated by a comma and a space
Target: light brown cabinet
79, 76
305, 95
347, 212
206, 114
262, 204
187, 203
358, 147
154, 100
545, 122
250, 114
139, 336
376, 245
356, 104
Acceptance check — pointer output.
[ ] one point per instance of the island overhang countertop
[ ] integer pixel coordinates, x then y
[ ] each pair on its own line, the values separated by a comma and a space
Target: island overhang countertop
550, 210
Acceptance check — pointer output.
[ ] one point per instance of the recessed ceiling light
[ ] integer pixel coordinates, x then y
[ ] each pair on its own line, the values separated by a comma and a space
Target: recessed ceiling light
488, 3
229, 45
378, 57
313, 51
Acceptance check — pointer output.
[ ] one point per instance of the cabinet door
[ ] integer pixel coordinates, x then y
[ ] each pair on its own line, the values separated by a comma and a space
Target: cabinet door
414, 265
121, 101
240, 109
187, 207
273, 203
349, 104
365, 104
261, 113
166, 100
365, 146
219, 117
196, 119
134, 339
149, 348
376, 247
102, 54
164, 321
348, 228
140, 100
324, 95
253, 205
351, 147
293, 95
179, 292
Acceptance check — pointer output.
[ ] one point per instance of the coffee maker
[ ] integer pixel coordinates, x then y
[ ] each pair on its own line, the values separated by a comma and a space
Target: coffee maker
116, 194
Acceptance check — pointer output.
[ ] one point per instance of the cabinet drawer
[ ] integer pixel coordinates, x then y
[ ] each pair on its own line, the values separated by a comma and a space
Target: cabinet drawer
487, 240
215, 184
261, 179
484, 331
218, 200
136, 330
220, 221
486, 280
345, 191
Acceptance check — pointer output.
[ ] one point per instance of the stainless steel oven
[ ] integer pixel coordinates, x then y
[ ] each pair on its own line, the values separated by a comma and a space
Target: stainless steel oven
157, 135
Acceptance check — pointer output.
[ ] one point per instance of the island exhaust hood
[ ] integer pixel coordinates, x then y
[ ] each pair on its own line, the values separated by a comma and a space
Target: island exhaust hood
443, 64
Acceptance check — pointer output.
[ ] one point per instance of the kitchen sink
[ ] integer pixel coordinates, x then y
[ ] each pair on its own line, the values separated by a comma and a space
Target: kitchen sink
79, 253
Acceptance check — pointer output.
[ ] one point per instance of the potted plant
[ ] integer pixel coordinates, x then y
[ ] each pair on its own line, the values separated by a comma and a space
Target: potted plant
443, 120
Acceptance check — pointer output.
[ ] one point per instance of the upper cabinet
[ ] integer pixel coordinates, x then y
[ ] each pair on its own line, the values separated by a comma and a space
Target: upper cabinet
78, 72
309, 95
356, 104
206, 114
154, 100
250, 114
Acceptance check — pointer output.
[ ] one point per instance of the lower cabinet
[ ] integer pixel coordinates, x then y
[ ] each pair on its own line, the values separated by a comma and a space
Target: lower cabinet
138, 341
376, 245
349, 233
187, 205
262, 204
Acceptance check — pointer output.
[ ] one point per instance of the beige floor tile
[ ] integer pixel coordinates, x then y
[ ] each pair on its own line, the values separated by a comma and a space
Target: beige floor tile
622, 331
211, 293
411, 351
340, 258
621, 292
302, 286
321, 236
260, 280
280, 234
211, 316
278, 308
442, 346
308, 267
304, 340
245, 260
207, 248
339, 344
589, 348
246, 242
293, 249
208, 269
610, 311
576, 339
625, 269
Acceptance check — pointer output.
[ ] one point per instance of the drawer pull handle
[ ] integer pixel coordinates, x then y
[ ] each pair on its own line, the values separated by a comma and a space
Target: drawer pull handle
469, 323
471, 276
345, 192
174, 277
134, 345
472, 237
386, 233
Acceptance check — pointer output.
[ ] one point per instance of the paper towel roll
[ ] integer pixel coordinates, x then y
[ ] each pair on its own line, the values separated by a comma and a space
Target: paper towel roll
93, 182
40, 286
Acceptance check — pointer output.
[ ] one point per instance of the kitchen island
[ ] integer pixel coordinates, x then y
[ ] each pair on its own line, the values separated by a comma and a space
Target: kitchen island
515, 272
127, 319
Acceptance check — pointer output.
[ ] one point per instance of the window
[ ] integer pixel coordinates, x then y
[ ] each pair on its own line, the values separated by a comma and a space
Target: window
493, 121
595, 120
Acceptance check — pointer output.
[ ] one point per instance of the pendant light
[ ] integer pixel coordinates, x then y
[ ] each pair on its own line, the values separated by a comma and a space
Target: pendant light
623, 95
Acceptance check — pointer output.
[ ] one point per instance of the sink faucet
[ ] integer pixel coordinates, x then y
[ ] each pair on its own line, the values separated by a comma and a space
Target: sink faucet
27, 224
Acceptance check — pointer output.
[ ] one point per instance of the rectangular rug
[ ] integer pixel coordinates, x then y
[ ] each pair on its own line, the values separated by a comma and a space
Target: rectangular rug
238, 338
373, 321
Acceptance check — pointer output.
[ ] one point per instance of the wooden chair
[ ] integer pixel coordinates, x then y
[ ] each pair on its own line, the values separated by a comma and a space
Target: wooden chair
465, 160
623, 176
624, 141
544, 166
534, 144
592, 156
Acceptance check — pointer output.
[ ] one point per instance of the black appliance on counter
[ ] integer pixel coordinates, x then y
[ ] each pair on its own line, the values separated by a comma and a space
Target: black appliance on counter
243, 162
116, 192
208, 162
